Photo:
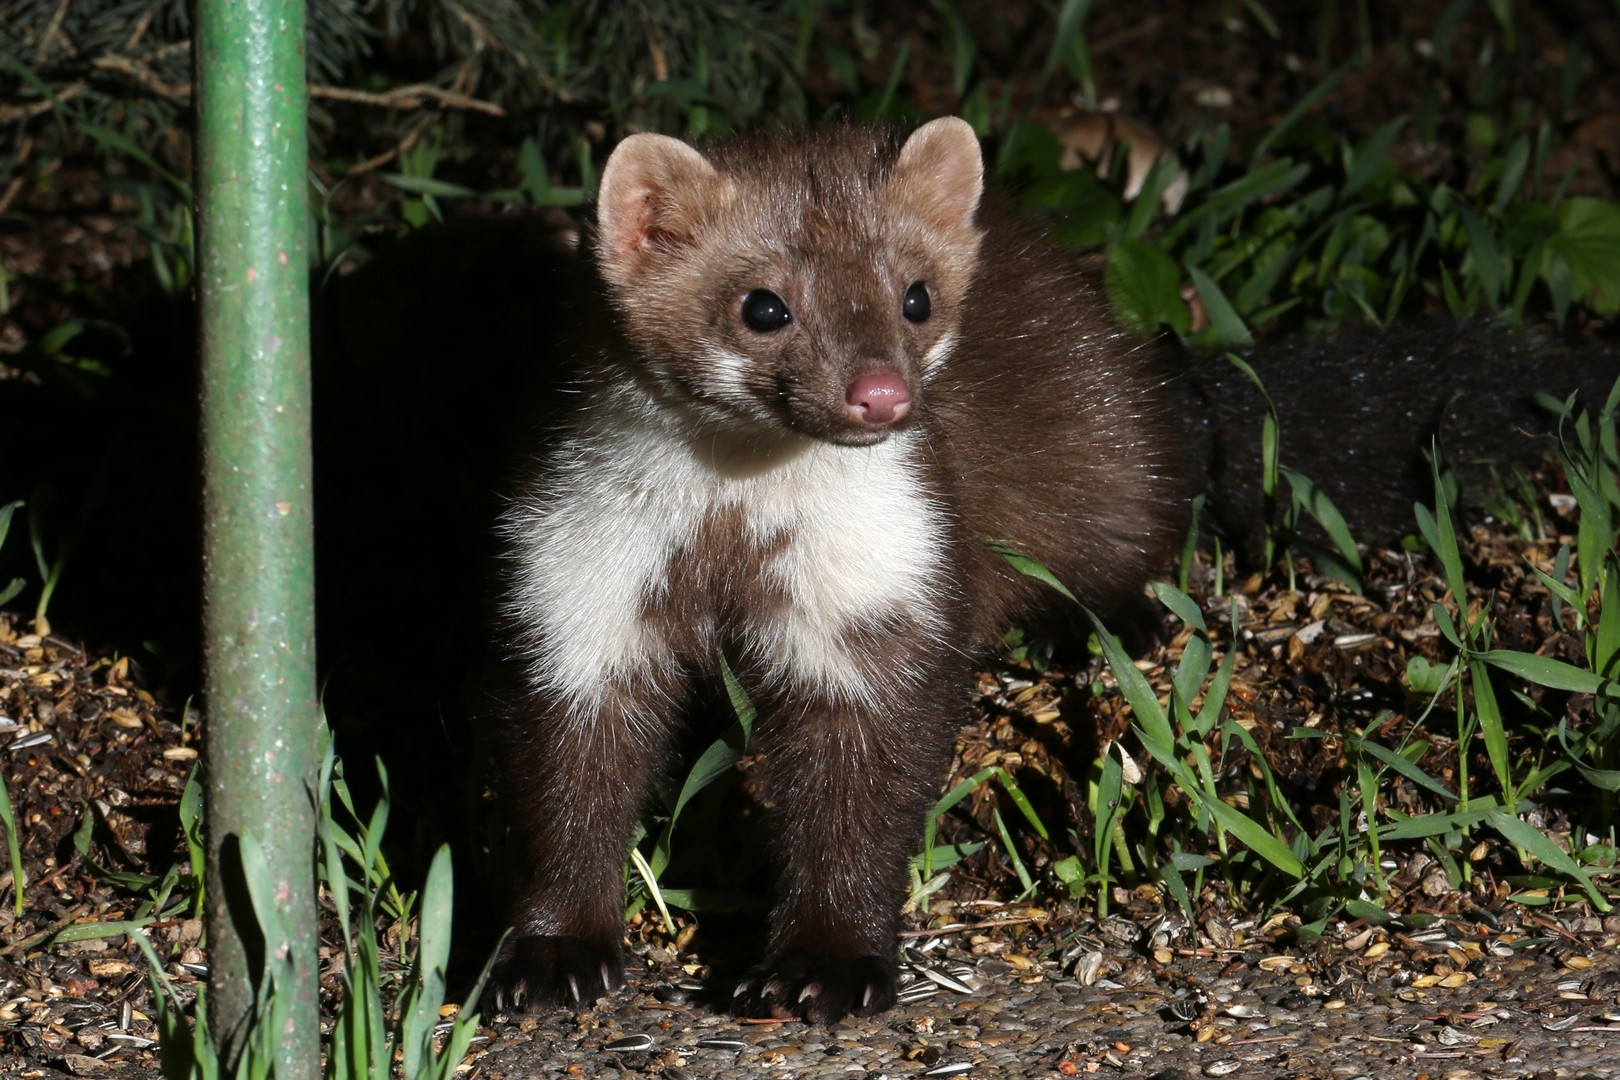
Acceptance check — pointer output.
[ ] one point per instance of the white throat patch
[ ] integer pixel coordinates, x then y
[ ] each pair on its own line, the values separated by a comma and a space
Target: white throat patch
852, 533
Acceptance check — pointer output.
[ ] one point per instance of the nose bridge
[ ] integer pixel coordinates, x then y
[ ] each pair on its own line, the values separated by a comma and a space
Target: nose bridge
858, 329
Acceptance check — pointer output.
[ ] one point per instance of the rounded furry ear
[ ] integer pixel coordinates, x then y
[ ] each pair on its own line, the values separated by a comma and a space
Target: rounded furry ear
654, 190
941, 172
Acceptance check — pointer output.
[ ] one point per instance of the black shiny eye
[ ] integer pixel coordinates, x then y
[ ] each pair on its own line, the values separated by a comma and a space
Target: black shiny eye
916, 305
764, 311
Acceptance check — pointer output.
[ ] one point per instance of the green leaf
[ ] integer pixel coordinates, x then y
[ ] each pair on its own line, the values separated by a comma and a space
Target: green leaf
1588, 244
1020, 800
1180, 604
719, 759
1157, 736
1215, 693
1402, 766
740, 705
1255, 837
1301, 108
1416, 828
433, 925
427, 185
125, 145
1528, 838
1544, 671
1487, 262
1144, 286
6, 512
8, 821
1315, 502
1370, 157
1110, 803
1604, 779
1605, 644
1223, 318
1514, 163
1069, 39
1178, 892
1442, 538
1253, 188
1029, 567
1490, 723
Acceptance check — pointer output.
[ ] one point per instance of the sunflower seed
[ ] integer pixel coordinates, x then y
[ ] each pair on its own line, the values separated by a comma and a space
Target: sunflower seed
630, 1043
1184, 1009
945, 980
920, 992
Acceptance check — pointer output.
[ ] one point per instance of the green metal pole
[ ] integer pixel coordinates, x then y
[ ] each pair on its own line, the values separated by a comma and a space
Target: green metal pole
258, 572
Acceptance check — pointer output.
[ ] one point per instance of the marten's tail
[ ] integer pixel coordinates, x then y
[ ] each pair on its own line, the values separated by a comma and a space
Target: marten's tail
1359, 409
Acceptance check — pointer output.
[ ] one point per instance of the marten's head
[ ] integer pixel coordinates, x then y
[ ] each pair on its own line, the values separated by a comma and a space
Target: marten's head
812, 281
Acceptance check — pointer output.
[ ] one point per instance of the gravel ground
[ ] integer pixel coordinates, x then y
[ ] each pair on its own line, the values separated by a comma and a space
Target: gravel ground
1362, 1002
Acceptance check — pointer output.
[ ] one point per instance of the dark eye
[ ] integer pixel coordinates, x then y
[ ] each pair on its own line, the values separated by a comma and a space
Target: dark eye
916, 305
764, 311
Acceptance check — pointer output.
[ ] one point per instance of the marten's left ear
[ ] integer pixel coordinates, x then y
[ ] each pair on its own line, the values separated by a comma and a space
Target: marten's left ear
941, 172
654, 194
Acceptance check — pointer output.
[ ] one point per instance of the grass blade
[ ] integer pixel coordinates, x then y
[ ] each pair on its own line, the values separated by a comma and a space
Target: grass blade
1529, 838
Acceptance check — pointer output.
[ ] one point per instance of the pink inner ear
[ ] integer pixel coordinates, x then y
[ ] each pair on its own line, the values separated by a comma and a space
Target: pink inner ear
625, 217
941, 170
652, 190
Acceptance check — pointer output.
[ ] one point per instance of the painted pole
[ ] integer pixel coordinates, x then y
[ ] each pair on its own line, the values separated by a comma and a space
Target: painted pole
258, 571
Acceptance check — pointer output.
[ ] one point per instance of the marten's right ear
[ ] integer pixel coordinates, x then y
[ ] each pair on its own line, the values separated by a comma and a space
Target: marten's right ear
654, 190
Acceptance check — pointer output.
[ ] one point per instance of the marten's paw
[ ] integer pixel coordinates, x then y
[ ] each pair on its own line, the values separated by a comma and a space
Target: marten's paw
538, 973
821, 989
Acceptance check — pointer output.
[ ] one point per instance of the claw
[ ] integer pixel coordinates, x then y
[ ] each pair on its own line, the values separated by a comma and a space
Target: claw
573, 987
810, 990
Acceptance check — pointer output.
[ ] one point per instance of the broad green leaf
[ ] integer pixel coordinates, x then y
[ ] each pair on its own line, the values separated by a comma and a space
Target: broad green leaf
1588, 242
1144, 285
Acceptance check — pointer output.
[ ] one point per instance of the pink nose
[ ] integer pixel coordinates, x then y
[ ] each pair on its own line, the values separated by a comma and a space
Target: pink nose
878, 399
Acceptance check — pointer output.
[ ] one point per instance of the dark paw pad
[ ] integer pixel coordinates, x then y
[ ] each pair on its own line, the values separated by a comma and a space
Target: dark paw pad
820, 989
538, 973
